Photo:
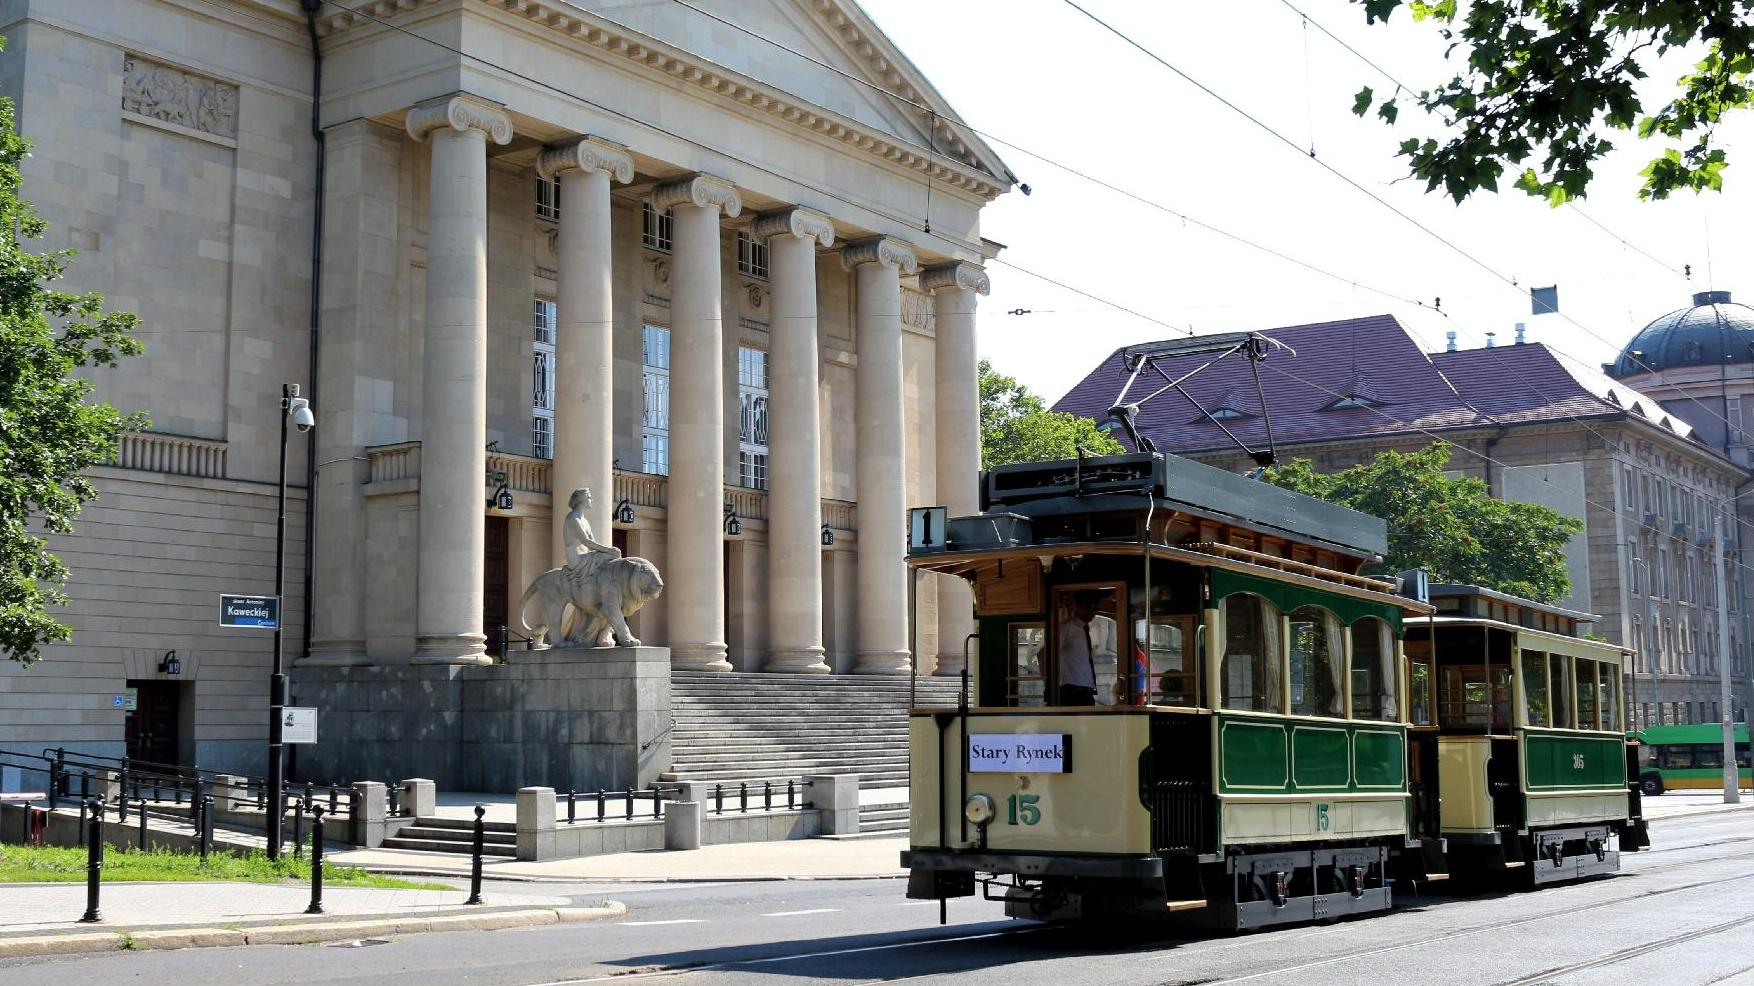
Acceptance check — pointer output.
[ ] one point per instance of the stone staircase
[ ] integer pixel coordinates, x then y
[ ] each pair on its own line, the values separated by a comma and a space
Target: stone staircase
456, 835
883, 819
739, 727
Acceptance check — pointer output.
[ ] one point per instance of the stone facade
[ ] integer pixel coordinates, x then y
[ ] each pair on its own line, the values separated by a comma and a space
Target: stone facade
173, 148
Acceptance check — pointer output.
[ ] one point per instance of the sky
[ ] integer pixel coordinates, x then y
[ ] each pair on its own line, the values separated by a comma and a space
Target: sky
1044, 80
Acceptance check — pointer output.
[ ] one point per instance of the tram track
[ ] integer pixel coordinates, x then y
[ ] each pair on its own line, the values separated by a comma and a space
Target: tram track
1627, 954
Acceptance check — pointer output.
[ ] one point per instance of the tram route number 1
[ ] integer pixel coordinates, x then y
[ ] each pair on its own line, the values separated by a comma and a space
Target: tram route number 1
1025, 809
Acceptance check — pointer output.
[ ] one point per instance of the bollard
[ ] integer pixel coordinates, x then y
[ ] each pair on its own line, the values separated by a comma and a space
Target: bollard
94, 863
599, 804
767, 795
316, 861
571, 814
742, 796
141, 804
298, 828
630, 804
718, 799
475, 854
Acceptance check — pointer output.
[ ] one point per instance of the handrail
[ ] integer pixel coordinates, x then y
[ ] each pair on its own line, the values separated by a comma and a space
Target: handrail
195, 771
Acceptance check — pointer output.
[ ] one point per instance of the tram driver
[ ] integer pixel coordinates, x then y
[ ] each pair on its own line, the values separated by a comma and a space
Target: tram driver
1075, 651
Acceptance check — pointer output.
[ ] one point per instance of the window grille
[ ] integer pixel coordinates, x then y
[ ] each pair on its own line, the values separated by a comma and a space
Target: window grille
657, 228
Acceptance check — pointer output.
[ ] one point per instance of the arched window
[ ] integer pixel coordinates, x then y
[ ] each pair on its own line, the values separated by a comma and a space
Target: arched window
1373, 671
1251, 654
1317, 663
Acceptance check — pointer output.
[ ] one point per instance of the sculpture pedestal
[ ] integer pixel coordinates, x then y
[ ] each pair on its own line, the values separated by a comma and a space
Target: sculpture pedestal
569, 718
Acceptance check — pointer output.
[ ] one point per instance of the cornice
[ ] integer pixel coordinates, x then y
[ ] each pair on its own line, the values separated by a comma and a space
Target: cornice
965, 171
879, 250
701, 190
961, 275
462, 112
802, 223
586, 154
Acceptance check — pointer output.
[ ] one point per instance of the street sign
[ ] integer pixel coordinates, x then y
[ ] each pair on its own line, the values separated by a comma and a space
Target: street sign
258, 612
298, 725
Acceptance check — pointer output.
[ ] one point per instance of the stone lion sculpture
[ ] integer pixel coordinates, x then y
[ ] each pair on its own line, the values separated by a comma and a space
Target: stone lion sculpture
601, 599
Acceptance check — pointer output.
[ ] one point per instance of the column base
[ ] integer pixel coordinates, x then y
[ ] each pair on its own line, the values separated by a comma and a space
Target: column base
451, 648
884, 662
698, 657
802, 660
949, 666
334, 654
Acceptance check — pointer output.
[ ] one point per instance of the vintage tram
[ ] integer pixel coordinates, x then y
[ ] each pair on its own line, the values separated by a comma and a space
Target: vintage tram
1262, 751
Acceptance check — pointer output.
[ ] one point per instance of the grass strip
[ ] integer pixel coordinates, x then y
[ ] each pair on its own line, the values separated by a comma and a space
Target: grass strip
58, 864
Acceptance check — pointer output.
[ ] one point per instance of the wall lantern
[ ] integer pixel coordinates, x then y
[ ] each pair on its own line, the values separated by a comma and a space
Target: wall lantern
171, 663
624, 512
827, 536
502, 494
733, 526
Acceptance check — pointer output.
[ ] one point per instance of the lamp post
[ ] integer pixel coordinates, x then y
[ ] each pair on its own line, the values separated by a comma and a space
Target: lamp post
296, 411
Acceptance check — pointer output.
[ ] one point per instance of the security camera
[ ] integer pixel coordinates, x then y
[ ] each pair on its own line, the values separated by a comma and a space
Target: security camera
300, 411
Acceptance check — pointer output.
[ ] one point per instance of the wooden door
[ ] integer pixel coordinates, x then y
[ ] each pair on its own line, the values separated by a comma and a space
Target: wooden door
496, 576
151, 729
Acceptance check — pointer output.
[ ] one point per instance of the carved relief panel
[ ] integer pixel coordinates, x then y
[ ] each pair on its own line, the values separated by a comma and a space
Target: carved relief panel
175, 96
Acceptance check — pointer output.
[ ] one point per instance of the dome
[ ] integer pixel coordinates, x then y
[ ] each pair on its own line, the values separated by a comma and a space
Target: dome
1712, 332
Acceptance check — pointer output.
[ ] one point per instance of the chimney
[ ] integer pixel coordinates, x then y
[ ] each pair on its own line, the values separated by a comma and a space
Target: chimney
1451, 336
1491, 339
1519, 333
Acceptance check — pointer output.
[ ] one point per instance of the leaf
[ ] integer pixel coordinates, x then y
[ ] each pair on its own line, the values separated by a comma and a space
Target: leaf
1361, 103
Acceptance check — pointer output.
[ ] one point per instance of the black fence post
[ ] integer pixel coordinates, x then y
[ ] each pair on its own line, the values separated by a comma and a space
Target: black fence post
789, 790
742, 795
94, 863
395, 793
630, 804
599, 804
476, 851
141, 804
767, 795
572, 798
57, 772
298, 828
718, 799
316, 861
204, 835
83, 807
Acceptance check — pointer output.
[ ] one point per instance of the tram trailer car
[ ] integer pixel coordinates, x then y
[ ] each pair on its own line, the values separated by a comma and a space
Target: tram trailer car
1536, 777
1249, 762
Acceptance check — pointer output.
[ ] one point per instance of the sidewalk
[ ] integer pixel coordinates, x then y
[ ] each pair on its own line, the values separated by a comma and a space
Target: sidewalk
797, 859
1672, 804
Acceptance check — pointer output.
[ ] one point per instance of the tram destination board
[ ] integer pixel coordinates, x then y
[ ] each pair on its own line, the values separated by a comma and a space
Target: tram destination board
255, 612
1020, 753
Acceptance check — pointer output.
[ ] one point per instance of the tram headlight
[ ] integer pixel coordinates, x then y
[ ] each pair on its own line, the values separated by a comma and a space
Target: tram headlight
978, 809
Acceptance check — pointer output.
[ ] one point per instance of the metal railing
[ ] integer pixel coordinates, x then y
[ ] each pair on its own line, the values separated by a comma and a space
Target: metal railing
600, 799
740, 802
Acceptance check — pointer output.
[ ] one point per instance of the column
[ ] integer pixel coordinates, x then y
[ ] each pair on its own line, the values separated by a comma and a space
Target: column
695, 580
584, 350
453, 396
879, 471
956, 385
794, 423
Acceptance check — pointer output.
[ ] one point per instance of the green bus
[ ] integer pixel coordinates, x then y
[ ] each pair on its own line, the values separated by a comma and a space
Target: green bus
1689, 757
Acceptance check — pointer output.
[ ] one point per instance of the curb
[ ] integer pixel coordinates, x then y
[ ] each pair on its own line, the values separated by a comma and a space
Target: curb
298, 934
535, 878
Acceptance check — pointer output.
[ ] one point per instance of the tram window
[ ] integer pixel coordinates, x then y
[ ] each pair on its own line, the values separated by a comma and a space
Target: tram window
1025, 683
1558, 690
1475, 697
1585, 674
1419, 681
1251, 654
1373, 670
1609, 699
1535, 689
1174, 662
1318, 660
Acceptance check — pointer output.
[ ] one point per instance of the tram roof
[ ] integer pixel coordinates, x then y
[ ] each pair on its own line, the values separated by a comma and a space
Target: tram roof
1460, 589
1131, 481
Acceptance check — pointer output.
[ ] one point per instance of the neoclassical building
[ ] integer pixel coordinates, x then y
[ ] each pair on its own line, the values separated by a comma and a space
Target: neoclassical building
509, 248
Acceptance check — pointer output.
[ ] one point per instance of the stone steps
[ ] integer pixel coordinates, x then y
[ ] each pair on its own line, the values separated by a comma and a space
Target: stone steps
875, 819
456, 835
462, 847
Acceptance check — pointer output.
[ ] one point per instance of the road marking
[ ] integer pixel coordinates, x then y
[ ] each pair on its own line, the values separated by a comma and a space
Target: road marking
793, 914
685, 970
648, 924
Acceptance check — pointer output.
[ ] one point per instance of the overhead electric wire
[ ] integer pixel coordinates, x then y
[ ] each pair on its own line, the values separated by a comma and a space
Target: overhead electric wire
1373, 196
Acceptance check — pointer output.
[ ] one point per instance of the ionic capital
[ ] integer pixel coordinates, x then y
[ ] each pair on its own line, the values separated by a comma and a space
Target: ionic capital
961, 275
800, 222
705, 191
879, 250
586, 154
461, 112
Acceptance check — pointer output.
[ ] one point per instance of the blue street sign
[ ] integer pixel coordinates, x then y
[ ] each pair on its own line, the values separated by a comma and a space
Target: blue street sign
260, 612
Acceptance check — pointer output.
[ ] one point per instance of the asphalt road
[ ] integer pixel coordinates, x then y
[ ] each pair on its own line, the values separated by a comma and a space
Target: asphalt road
1682, 914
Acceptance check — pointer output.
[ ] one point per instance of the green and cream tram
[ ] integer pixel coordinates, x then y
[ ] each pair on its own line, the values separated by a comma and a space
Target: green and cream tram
1520, 715
1247, 763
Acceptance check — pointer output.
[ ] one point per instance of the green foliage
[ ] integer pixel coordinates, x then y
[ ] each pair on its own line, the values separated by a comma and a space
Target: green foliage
1016, 425
1453, 527
49, 432
66, 864
1556, 77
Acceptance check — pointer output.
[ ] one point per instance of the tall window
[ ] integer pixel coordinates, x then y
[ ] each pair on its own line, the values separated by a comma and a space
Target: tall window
656, 228
1317, 663
752, 417
1535, 689
751, 255
542, 379
1251, 654
1373, 670
655, 419
547, 198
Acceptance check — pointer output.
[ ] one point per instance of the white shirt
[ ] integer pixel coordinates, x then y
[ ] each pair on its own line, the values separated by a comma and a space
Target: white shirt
1076, 665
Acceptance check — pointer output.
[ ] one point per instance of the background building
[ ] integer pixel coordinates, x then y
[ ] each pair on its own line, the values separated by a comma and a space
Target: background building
1536, 428
561, 244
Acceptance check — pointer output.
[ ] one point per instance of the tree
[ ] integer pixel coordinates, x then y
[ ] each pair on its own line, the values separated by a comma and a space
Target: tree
1559, 76
1016, 425
1452, 527
49, 432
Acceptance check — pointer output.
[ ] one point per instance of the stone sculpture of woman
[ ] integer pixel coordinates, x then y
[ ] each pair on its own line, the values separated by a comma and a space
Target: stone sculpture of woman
584, 555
